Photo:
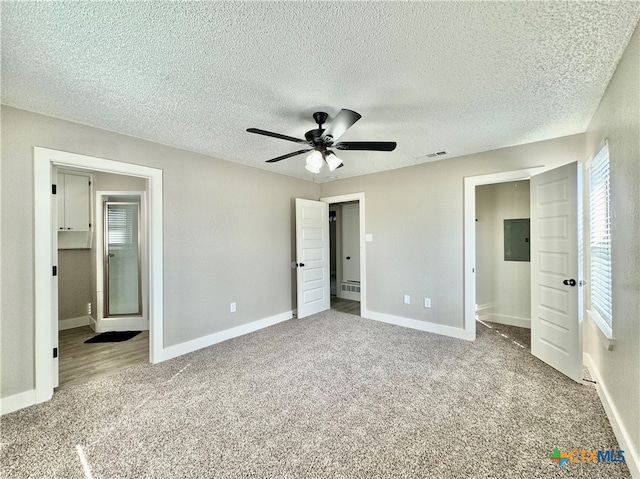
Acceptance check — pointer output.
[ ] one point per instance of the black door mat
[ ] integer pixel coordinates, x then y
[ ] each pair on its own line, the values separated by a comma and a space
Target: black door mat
113, 337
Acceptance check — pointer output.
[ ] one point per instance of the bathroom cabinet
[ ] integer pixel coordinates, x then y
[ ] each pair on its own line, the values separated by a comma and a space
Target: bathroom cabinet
73, 195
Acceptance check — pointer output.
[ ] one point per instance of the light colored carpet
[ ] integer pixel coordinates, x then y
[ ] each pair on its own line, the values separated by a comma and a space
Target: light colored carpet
331, 396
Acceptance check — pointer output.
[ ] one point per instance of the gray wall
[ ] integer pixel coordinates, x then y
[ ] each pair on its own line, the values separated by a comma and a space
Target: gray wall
503, 288
618, 119
75, 281
416, 217
227, 235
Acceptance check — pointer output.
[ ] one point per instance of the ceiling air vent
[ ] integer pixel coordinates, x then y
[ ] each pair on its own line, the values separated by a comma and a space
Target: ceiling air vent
433, 155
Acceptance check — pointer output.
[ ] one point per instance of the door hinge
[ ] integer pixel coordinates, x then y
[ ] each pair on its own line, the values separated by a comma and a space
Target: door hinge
55, 271
54, 189
55, 353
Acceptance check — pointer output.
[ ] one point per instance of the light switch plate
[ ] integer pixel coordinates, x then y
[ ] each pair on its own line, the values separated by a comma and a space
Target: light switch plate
368, 238
232, 307
407, 299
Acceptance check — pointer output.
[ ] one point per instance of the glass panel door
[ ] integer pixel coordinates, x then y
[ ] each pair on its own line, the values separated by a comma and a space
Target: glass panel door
122, 259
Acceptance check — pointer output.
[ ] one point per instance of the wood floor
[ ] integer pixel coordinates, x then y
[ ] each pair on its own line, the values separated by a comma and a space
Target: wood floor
345, 305
80, 362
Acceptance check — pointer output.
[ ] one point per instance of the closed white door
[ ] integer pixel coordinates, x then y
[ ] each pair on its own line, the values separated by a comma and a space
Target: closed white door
556, 326
312, 257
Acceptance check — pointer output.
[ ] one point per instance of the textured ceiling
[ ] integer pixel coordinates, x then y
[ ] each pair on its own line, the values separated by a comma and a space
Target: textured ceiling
457, 76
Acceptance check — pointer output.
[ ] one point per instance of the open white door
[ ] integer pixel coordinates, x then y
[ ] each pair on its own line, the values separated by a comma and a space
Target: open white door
556, 329
312, 256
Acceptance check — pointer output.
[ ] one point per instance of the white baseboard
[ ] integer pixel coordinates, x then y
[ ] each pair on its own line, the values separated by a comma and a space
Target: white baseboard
17, 401
508, 320
632, 457
121, 324
459, 333
71, 323
210, 340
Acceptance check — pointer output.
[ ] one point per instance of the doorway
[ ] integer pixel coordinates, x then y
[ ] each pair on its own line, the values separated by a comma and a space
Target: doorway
347, 253
121, 257
112, 269
470, 237
556, 319
344, 252
46, 284
503, 267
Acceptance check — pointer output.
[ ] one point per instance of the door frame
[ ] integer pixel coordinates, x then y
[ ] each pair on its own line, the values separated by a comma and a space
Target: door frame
359, 197
470, 183
130, 322
46, 301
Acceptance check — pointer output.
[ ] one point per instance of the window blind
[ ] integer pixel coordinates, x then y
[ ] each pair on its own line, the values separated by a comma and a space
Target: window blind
121, 224
600, 235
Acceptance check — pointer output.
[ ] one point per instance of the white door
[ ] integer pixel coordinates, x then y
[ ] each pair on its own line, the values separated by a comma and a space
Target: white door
312, 256
556, 328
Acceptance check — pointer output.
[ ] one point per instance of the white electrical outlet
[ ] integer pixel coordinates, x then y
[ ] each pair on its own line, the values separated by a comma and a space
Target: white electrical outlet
407, 299
232, 307
427, 302
88, 308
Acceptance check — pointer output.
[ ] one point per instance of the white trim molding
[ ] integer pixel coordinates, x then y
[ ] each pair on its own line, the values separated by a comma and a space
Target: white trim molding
602, 329
470, 183
71, 323
17, 401
504, 319
632, 457
442, 329
45, 161
359, 197
215, 338
133, 323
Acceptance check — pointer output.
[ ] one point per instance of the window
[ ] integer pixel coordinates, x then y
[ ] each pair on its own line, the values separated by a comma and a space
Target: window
122, 219
600, 240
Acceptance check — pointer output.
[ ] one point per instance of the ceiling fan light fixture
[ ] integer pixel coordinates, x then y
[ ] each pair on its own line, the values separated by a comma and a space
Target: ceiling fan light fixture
314, 160
319, 140
332, 160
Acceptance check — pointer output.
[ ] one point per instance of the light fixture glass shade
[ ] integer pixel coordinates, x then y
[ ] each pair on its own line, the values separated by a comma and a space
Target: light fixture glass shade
314, 160
313, 169
332, 161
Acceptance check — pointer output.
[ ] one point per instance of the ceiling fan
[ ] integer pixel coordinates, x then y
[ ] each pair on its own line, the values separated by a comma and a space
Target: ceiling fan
320, 140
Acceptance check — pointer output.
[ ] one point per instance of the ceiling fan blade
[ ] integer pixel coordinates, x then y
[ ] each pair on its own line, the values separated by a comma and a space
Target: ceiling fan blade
275, 135
284, 157
341, 123
366, 145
